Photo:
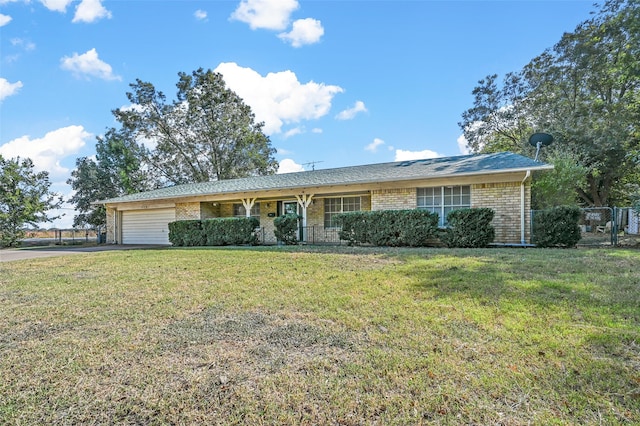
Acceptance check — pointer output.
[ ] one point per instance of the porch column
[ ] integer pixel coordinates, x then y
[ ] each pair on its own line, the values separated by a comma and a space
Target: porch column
248, 205
304, 200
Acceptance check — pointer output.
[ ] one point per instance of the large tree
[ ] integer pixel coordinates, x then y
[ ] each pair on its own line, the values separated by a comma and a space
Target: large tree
25, 199
206, 134
117, 170
585, 91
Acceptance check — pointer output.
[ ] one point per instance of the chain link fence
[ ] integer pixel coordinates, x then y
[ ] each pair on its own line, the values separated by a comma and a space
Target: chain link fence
606, 226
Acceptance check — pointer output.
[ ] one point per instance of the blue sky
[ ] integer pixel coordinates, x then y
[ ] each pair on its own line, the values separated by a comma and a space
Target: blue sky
338, 83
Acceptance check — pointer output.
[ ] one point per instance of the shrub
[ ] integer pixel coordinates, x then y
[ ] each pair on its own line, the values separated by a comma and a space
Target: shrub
557, 227
287, 228
230, 231
417, 227
186, 233
389, 227
354, 227
469, 228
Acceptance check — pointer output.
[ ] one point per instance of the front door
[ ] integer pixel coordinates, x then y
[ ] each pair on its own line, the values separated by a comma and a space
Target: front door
291, 207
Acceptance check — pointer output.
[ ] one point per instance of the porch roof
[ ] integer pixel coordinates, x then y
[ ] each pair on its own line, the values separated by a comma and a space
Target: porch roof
443, 167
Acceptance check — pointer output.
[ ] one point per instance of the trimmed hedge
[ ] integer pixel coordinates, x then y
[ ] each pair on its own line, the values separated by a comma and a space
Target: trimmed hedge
469, 228
214, 232
557, 227
354, 227
230, 231
187, 233
287, 228
389, 227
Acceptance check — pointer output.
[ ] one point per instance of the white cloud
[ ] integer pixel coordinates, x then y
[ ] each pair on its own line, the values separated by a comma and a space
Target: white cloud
56, 5
200, 15
304, 31
278, 98
463, 145
88, 64
90, 11
48, 152
267, 14
289, 166
25, 44
402, 155
283, 151
350, 113
373, 146
293, 132
7, 89
316, 130
4, 19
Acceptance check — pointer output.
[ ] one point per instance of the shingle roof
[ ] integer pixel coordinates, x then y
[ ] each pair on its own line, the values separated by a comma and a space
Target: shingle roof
383, 172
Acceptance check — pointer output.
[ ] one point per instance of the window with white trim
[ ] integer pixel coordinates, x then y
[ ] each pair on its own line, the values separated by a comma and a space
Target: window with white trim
443, 199
240, 211
335, 206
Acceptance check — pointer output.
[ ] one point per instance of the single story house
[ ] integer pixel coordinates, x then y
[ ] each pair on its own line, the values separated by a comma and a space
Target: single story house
500, 181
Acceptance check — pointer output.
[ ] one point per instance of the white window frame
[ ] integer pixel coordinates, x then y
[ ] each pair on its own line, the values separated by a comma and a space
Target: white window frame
444, 202
240, 211
329, 217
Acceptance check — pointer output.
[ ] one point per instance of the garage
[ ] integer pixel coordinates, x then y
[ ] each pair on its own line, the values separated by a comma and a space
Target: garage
147, 226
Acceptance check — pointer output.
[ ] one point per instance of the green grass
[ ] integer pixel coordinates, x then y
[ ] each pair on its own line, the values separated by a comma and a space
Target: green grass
322, 336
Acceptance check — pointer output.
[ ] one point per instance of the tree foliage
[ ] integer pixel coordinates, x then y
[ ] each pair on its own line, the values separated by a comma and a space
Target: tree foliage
585, 91
207, 134
558, 187
25, 198
117, 170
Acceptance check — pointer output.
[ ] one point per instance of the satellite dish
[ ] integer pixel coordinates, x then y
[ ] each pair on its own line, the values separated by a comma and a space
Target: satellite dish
539, 140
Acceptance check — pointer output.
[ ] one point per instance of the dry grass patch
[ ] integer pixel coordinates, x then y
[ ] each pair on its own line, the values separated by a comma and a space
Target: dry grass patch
322, 336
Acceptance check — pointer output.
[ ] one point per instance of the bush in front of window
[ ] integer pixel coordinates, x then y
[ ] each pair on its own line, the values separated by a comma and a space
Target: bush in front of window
230, 231
354, 228
389, 228
418, 227
557, 227
469, 228
286, 228
186, 233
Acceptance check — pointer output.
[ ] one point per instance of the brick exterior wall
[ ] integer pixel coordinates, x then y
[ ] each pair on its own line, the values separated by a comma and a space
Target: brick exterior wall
394, 199
266, 223
504, 199
111, 225
209, 210
187, 211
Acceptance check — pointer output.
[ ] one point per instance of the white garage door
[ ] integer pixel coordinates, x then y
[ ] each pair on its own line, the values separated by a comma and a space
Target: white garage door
147, 226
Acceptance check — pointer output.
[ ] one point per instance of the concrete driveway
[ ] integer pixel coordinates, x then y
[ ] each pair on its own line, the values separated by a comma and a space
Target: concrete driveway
9, 255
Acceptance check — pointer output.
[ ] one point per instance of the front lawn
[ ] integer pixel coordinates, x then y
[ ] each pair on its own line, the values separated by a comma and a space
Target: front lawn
322, 336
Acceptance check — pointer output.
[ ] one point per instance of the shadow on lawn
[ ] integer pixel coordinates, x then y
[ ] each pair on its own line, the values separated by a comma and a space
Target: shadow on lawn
592, 294
575, 278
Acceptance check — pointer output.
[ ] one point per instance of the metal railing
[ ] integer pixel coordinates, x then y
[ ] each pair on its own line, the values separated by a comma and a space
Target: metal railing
315, 235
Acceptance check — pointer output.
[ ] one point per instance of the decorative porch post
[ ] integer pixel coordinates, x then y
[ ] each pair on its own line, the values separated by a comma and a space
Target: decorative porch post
304, 200
248, 205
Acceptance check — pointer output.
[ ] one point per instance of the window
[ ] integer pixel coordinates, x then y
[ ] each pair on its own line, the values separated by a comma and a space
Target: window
240, 211
334, 206
443, 199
